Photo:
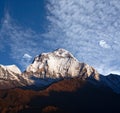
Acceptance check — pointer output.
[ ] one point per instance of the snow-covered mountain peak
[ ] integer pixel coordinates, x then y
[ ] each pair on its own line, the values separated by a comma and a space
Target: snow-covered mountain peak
9, 72
60, 63
12, 68
10, 77
62, 53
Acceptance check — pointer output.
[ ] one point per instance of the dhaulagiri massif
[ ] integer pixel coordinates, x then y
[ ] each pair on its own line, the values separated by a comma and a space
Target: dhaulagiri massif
51, 67
56, 82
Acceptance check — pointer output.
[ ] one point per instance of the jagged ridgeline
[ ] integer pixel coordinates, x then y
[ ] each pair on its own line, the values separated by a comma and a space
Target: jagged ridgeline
47, 68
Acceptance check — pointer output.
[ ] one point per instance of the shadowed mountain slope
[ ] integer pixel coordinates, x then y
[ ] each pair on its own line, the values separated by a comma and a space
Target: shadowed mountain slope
66, 96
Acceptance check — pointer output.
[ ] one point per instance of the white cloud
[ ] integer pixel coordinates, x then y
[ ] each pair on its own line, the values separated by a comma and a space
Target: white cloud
81, 24
27, 56
76, 25
103, 44
19, 40
26, 59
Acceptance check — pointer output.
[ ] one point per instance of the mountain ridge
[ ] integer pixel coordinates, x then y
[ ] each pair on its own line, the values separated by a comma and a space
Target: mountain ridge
51, 67
56, 82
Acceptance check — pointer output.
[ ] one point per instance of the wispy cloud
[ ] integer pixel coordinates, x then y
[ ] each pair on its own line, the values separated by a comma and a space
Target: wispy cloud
26, 59
90, 29
19, 40
27, 56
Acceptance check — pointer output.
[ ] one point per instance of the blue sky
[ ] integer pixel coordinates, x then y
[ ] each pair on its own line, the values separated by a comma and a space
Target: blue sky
88, 29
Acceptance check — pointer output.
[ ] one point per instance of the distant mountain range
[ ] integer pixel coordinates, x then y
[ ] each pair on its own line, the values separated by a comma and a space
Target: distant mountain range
51, 75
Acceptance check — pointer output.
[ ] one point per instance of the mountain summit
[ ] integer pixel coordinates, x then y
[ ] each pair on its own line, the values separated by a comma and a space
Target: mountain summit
59, 64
